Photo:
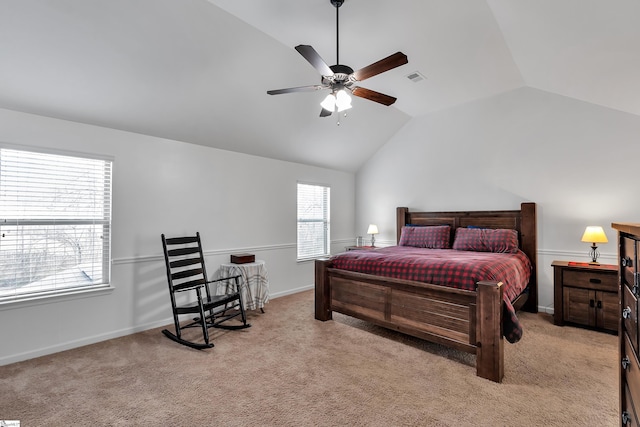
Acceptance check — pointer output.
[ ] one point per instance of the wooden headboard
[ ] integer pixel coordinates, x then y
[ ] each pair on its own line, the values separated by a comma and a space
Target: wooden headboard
523, 221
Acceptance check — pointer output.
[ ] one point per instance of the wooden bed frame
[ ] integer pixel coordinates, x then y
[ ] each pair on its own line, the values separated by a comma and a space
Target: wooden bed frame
470, 321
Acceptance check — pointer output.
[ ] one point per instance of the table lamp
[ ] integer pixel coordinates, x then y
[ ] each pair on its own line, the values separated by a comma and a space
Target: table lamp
594, 234
373, 230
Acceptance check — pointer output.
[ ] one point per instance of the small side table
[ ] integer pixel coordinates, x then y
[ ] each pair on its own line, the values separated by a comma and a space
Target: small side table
585, 294
254, 282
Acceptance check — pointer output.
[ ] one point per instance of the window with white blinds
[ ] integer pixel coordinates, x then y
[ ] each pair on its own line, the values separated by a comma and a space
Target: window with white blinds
313, 221
55, 223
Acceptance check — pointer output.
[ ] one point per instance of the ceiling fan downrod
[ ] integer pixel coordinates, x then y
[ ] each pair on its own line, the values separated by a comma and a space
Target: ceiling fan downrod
337, 4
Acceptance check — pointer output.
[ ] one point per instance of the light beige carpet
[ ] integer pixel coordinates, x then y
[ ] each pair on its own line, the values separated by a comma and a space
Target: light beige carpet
289, 369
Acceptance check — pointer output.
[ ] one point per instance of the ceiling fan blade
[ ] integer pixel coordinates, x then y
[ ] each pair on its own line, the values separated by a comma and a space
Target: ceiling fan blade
314, 59
296, 89
325, 113
386, 64
374, 96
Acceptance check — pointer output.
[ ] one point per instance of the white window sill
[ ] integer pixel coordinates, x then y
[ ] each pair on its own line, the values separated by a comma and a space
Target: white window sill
54, 297
300, 260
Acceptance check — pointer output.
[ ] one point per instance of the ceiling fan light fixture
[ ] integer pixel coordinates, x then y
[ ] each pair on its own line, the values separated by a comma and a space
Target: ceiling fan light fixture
343, 100
329, 103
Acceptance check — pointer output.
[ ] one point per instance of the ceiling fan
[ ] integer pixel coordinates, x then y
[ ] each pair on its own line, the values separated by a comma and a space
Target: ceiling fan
340, 78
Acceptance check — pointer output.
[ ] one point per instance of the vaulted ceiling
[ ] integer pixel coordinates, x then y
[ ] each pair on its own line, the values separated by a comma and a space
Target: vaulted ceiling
197, 71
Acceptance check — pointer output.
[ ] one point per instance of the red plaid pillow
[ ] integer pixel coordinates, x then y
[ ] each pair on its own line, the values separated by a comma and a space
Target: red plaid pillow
432, 237
486, 240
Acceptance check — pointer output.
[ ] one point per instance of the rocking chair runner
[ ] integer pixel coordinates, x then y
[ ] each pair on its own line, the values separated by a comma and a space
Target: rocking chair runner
186, 274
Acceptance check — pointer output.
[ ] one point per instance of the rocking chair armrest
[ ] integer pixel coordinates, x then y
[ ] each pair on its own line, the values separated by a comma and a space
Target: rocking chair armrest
224, 278
190, 288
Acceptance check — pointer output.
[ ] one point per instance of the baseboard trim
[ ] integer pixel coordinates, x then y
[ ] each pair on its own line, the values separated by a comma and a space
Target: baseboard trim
291, 291
547, 310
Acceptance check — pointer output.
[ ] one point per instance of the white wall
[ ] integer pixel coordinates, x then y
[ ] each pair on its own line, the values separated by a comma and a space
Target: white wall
576, 160
237, 202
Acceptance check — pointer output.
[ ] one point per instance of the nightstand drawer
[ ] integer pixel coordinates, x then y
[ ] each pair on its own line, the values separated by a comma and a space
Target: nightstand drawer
590, 280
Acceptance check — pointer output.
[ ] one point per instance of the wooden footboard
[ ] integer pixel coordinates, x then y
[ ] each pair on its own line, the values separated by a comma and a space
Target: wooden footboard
470, 321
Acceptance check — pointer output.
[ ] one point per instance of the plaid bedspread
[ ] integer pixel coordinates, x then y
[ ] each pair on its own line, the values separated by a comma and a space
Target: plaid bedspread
448, 267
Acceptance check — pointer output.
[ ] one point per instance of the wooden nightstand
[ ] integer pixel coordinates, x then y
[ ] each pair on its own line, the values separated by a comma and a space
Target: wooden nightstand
361, 248
586, 294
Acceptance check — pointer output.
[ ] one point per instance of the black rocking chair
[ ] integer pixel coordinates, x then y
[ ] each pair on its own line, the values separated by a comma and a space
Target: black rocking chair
186, 274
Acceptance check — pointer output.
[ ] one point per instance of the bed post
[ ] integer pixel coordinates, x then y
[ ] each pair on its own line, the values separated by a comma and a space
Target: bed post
490, 346
530, 247
323, 291
401, 221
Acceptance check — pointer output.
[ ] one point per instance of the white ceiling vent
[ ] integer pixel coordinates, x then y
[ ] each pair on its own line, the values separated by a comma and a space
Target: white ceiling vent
416, 76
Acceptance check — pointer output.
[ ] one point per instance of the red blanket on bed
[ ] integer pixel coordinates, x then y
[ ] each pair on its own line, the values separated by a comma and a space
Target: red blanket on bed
448, 267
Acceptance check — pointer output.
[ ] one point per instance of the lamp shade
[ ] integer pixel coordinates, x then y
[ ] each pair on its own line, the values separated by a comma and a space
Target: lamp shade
373, 229
329, 103
343, 100
594, 234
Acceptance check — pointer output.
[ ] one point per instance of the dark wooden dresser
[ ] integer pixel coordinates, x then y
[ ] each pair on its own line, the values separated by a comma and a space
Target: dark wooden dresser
629, 282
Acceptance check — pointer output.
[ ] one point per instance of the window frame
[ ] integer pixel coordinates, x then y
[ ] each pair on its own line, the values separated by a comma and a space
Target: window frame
325, 220
104, 190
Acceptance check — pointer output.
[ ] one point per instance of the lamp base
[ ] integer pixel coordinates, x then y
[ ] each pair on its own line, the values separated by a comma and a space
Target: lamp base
594, 254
